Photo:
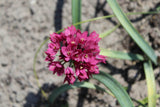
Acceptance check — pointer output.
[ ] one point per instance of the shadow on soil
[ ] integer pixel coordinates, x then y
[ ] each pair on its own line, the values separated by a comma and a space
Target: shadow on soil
37, 99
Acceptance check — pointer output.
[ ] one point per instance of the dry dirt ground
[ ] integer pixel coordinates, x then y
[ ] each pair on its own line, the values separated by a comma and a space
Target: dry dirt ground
24, 25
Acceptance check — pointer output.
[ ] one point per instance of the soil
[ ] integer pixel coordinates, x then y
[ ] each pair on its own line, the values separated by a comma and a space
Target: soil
25, 24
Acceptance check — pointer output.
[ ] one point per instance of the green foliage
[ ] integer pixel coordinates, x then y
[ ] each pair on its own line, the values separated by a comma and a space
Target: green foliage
66, 87
121, 55
118, 91
158, 8
145, 100
151, 86
132, 31
76, 12
108, 32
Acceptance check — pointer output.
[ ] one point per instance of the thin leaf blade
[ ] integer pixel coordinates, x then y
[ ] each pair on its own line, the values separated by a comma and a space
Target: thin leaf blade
132, 31
102, 35
118, 91
121, 55
76, 12
66, 87
151, 86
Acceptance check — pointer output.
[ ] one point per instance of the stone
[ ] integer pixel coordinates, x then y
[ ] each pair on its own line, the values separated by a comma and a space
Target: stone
20, 96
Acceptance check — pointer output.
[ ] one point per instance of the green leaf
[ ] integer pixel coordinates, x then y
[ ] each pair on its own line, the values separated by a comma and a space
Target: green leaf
139, 103
102, 35
118, 91
76, 12
145, 100
158, 8
150, 84
132, 31
121, 55
66, 87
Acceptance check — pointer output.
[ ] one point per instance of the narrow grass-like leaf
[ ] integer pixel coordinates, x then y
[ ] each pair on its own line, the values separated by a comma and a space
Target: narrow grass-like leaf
158, 8
151, 86
76, 12
118, 91
102, 35
110, 16
139, 103
66, 87
145, 100
132, 31
121, 55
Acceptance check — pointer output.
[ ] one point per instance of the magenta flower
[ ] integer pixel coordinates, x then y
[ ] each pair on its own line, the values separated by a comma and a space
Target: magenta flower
70, 78
70, 31
56, 67
50, 55
81, 72
76, 50
54, 46
93, 69
67, 52
55, 38
82, 37
101, 58
82, 75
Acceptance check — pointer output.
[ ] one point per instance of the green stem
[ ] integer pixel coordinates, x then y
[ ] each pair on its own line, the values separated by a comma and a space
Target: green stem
76, 12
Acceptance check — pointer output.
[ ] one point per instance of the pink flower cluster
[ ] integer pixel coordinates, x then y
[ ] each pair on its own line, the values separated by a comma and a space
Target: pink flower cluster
77, 50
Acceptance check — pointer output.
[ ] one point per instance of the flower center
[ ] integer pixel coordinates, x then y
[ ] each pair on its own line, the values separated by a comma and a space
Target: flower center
81, 67
82, 39
54, 47
68, 53
86, 56
73, 42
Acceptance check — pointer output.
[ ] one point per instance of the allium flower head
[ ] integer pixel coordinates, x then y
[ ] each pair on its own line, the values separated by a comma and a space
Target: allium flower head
79, 50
